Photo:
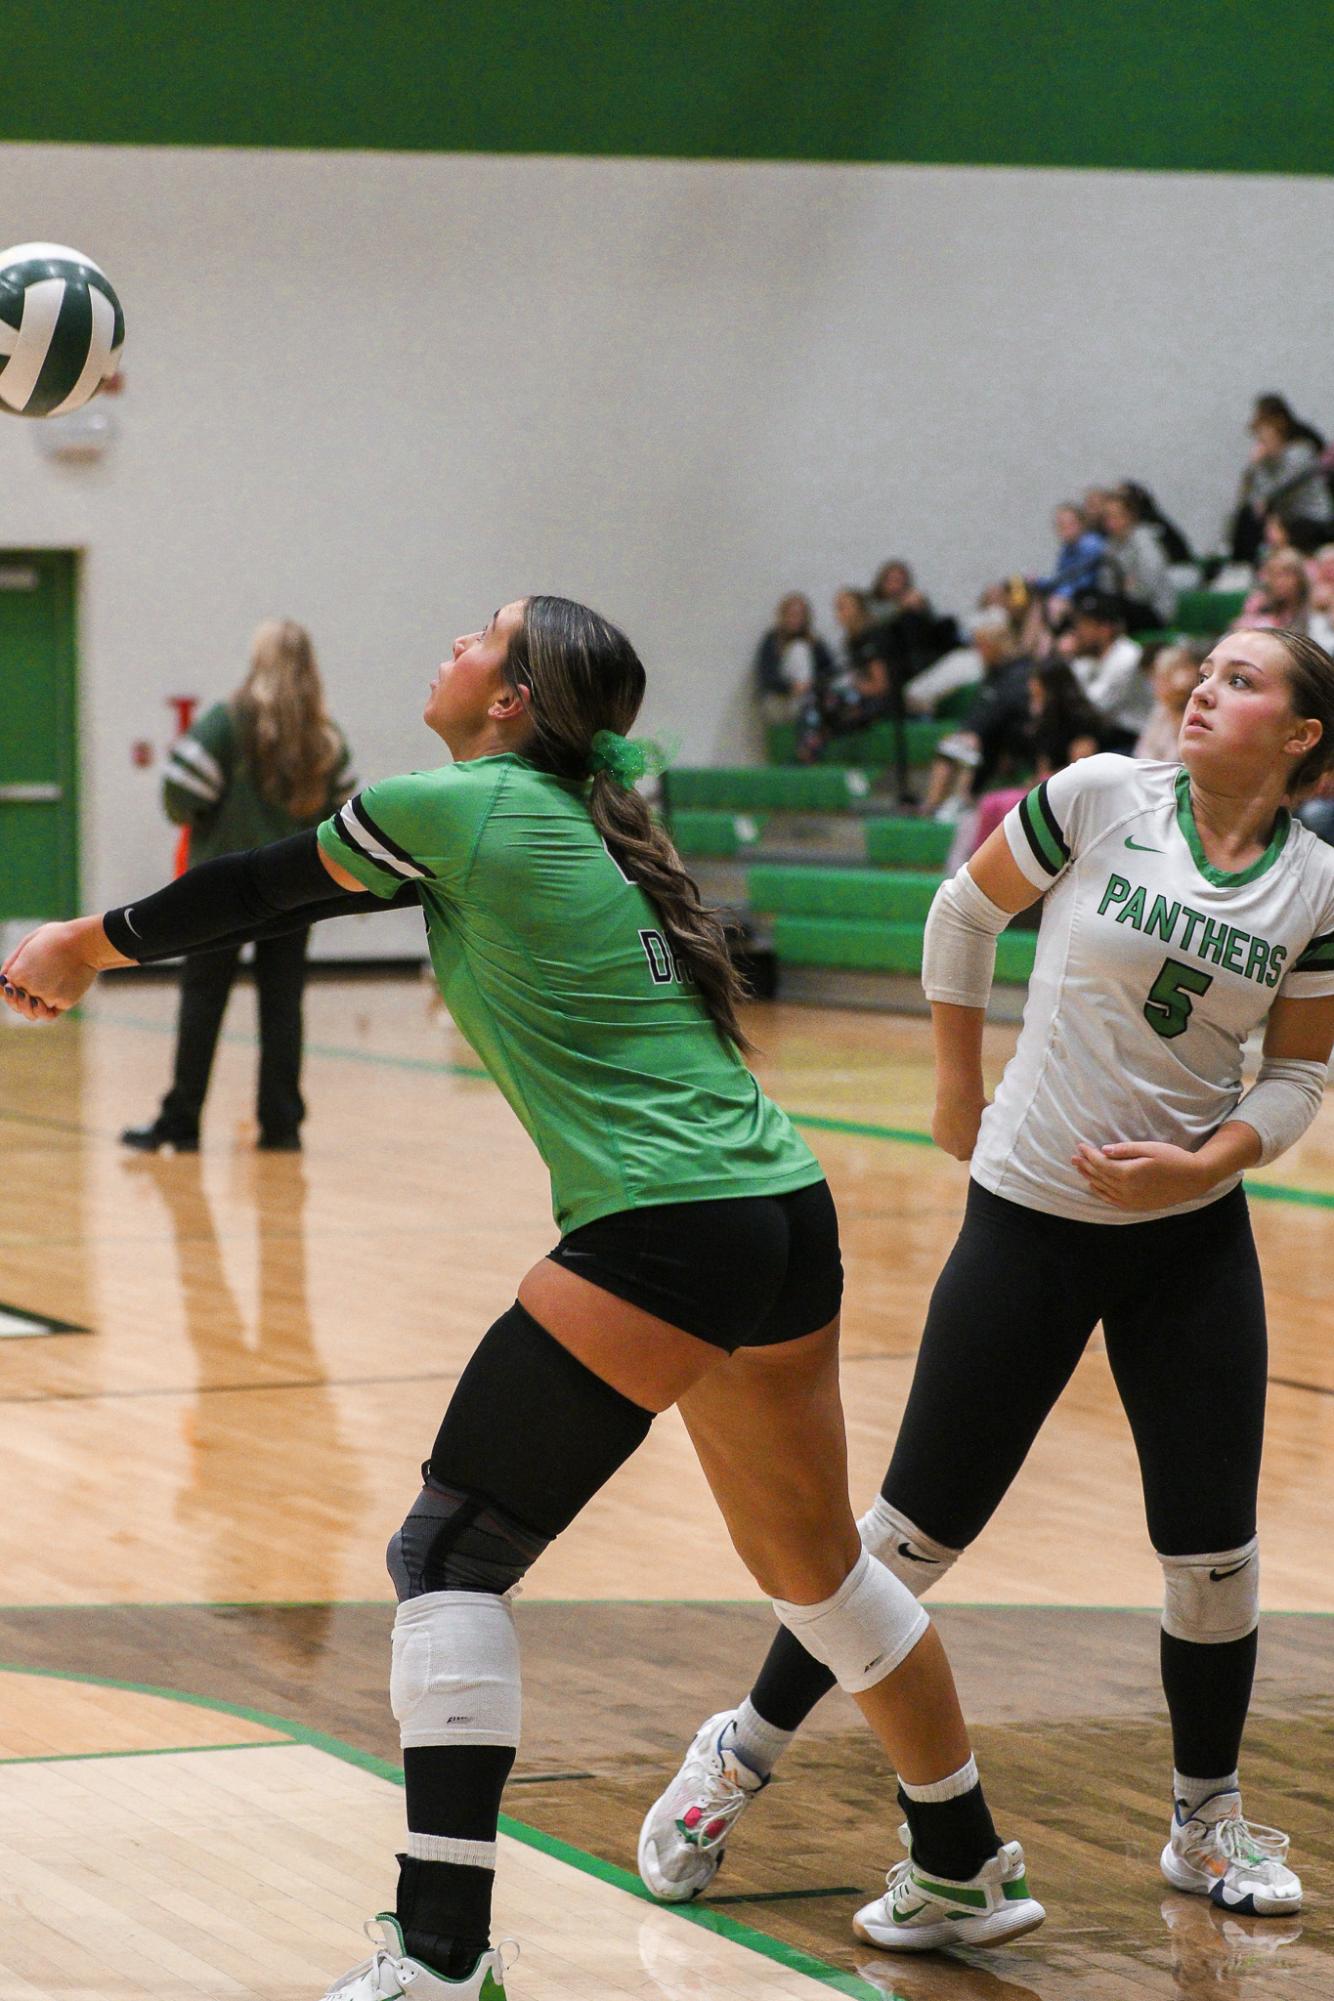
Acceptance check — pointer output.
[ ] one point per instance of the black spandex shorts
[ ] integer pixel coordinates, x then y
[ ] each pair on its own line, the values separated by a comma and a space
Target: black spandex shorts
742, 1273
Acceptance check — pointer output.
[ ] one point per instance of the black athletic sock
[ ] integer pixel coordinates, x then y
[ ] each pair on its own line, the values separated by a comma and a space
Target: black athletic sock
951, 1838
453, 1790
1208, 1690
790, 1683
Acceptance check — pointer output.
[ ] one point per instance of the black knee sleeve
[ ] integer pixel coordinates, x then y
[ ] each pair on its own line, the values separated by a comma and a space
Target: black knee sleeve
530, 1436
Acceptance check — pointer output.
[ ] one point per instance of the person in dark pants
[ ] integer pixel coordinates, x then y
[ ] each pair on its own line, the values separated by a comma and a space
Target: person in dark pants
263, 765
1184, 908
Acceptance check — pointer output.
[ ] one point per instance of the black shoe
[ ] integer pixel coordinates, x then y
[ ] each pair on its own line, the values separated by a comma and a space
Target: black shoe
279, 1143
162, 1132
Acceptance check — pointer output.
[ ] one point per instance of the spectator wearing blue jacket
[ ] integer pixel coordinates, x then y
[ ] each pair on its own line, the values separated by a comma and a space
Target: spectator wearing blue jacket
1078, 556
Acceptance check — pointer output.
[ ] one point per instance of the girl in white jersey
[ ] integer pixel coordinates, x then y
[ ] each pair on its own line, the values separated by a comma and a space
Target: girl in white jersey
1184, 908
698, 1263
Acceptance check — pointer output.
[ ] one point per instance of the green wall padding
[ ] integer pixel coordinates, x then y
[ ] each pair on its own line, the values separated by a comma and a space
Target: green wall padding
1200, 85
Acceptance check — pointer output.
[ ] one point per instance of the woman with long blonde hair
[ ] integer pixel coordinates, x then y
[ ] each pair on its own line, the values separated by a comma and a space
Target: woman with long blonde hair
267, 763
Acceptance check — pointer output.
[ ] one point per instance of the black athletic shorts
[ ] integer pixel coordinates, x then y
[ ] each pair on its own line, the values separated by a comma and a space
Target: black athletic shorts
742, 1273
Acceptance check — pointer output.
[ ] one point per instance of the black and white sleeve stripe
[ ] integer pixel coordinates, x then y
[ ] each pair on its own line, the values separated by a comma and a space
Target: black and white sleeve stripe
194, 770
360, 832
1042, 831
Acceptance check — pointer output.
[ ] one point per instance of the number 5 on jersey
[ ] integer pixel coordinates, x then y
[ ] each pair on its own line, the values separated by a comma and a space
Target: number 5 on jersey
1168, 1008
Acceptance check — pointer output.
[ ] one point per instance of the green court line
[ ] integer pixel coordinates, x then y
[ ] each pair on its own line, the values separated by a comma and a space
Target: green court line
152, 1751
531, 1837
1261, 1191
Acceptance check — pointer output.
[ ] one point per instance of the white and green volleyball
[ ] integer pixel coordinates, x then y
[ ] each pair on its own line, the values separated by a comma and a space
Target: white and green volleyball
61, 329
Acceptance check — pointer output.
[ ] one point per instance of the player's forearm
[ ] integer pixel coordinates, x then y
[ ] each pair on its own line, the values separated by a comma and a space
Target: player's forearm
89, 943
1231, 1150
234, 894
343, 903
957, 1035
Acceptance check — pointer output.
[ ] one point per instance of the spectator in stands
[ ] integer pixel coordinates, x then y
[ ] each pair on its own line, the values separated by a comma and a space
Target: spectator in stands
1063, 724
1320, 612
1173, 543
1175, 672
915, 634
993, 736
1285, 476
1108, 666
1062, 727
791, 661
1281, 597
1079, 552
893, 590
859, 691
1317, 811
1134, 566
1095, 503
1303, 536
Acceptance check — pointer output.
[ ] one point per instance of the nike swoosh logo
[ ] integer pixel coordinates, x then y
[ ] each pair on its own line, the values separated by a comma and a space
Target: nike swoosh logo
902, 1917
912, 1555
1140, 848
1219, 1575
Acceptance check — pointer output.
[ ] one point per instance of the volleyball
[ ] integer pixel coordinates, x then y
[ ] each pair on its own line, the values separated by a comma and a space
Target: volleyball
61, 329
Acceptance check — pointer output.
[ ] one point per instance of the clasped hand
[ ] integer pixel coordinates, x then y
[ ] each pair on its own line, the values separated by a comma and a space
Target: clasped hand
46, 974
1141, 1174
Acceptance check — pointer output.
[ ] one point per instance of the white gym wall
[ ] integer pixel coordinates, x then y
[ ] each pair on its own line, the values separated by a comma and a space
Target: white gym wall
379, 393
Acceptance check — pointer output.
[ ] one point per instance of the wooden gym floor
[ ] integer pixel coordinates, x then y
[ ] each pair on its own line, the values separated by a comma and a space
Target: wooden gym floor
207, 1453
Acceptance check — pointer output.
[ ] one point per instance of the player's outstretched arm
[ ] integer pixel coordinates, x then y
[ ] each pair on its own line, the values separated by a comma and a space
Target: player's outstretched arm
221, 900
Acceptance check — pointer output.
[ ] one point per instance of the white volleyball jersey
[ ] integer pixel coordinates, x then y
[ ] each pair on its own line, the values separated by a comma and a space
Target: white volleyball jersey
1152, 969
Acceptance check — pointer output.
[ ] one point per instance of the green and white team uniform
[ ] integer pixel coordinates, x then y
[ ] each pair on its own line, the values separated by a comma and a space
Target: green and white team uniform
208, 786
556, 967
1152, 969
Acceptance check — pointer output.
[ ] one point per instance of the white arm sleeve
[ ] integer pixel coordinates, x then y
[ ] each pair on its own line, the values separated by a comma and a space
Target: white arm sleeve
959, 946
1282, 1102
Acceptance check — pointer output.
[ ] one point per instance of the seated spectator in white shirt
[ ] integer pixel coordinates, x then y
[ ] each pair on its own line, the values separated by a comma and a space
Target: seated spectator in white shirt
1108, 667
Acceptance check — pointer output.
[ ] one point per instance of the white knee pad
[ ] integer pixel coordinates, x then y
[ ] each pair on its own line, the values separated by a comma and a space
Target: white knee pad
915, 1559
1210, 1599
869, 1626
455, 1673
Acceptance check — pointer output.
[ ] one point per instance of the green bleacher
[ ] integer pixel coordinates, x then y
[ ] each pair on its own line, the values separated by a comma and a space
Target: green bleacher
849, 945
903, 843
715, 835
1204, 614
860, 901
745, 788
873, 746
863, 895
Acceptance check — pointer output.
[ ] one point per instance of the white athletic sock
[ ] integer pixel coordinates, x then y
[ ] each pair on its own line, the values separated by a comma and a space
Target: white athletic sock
1192, 1793
760, 1744
951, 1788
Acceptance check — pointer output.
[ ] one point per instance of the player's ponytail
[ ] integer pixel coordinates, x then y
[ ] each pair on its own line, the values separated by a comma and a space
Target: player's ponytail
584, 678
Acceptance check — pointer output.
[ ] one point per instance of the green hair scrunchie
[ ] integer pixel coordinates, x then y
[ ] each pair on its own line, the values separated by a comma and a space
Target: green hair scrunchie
624, 760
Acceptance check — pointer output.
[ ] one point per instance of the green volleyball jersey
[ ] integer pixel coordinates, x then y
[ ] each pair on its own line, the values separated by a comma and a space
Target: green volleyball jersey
555, 965
209, 787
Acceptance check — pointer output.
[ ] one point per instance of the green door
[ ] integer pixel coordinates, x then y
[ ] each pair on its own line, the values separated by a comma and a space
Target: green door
39, 803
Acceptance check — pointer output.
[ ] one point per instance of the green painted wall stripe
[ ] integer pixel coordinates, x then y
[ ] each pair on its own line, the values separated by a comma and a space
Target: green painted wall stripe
531, 1837
1068, 83
1260, 1191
